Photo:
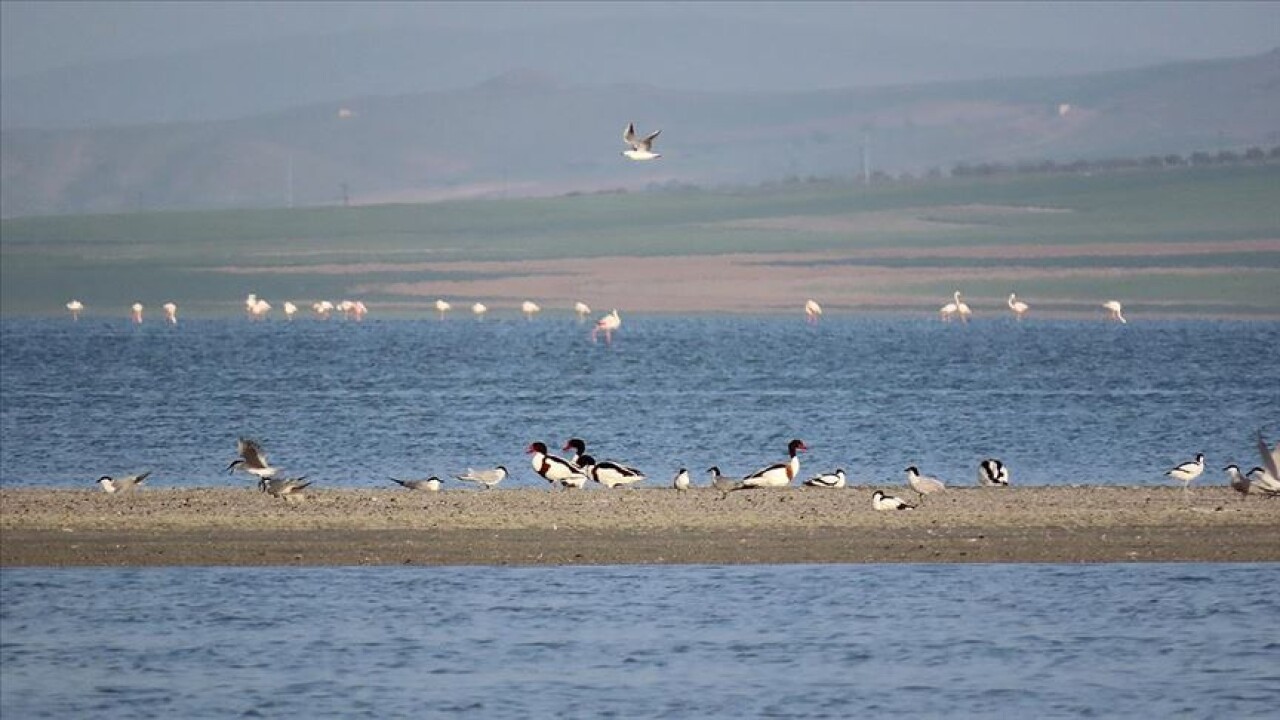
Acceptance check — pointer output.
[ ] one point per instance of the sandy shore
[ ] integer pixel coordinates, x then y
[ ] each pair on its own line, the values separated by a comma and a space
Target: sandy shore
537, 527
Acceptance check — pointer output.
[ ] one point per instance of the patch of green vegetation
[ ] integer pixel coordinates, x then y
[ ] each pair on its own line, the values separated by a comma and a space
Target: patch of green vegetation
116, 259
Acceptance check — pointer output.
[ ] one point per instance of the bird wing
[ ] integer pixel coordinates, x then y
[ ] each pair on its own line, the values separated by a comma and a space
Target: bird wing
629, 135
647, 143
1270, 459
252, 453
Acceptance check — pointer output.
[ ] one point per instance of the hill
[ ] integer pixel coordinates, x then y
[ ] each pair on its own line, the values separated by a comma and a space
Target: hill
525, 134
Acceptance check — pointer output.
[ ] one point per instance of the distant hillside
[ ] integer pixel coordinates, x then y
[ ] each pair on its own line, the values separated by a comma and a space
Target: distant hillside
527, 134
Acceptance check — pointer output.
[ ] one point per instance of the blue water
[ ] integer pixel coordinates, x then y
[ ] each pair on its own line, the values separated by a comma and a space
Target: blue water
1149, 641
347, 404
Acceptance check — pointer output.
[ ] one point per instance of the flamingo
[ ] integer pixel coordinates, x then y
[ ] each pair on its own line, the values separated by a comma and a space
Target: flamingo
137, 312
962, 308
358, 310
171, 313
260, 309
289, 310
479, 310
812, 311
75, 306
946, 312
1114, 307
443, 307
1018, 307
322, 308
582, 309
608, 324
529, 308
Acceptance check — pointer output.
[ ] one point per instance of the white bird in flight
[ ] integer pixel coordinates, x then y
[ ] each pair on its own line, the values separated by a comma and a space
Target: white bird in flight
1115, 309
641, 149
812, 311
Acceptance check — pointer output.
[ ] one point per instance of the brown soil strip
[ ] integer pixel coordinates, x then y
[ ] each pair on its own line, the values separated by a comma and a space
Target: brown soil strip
174, 527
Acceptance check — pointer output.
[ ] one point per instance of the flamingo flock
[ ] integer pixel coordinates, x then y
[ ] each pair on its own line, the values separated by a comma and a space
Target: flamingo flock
258, 309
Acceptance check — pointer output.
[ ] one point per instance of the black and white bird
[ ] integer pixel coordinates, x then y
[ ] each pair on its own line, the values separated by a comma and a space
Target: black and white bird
1239, 482
252, 460
431, 484
283, 487
484, 478
992, 472
555, 470
609, 473
111, 485
780, 474
827, 480
1264, 482
681, 481
640, 148
923, 484
880, 501
1187, 471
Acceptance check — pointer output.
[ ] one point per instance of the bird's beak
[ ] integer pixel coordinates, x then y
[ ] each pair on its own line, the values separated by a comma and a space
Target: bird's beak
233, 464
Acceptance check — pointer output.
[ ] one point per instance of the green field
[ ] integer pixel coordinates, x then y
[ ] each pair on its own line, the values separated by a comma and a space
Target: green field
111, 261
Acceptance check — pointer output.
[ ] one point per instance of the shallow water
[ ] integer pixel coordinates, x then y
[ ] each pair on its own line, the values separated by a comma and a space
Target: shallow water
351, 403
694, 641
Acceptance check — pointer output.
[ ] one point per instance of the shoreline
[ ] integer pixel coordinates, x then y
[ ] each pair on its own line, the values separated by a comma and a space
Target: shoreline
528, 527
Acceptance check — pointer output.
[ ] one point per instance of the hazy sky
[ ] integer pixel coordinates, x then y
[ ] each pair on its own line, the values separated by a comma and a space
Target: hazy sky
42, 35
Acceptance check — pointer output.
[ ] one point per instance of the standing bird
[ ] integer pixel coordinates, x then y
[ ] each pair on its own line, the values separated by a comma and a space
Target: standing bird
609, 473
923, 484
582, 309
1264, 481
681, 480
724, 483
260, 309
779, 475
442, 307
607, 324
641, 149
555, 470
948, 311
827, 480
1187, 471
1240, 483
812, 311
283, 487
1115, 309
1018, 307
289, 310
75, 306
171, 313
322, 308
530, 308
992, 472
136, 313
479, 309
962, 309
487, 479
880, 501
431, 484
252, 460
112, 485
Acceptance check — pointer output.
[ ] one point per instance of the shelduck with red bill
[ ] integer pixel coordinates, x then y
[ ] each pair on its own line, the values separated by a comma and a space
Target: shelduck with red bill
555, 470
779, 475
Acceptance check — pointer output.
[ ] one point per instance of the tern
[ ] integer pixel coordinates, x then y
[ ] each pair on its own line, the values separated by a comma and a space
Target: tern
282, 487
723, 483
1264, 482
681, 480
880, 501
1240, 483
124, 484
641, 149
485, 478
923, 484
253, 460
431, 484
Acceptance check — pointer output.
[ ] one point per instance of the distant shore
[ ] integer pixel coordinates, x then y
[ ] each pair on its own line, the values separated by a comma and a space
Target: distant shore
237, 527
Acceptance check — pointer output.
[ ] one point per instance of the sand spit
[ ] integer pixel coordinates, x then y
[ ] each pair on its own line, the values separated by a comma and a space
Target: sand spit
236, 527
